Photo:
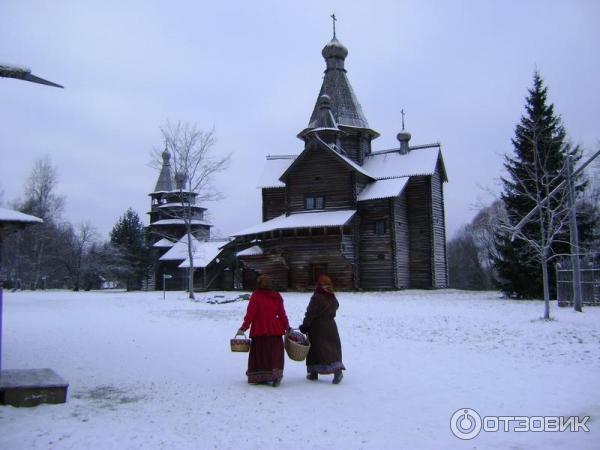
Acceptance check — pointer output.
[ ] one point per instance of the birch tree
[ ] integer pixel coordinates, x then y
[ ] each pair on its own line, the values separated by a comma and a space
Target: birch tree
195, 163
41, 200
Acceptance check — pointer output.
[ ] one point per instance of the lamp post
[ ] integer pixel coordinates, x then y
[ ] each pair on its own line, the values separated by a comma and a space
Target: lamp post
166, 276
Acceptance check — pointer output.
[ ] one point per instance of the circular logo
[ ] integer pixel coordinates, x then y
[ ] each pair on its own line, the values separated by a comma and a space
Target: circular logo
465, 423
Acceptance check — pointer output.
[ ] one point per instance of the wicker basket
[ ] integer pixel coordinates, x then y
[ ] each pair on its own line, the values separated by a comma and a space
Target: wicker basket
240, 345
296, 350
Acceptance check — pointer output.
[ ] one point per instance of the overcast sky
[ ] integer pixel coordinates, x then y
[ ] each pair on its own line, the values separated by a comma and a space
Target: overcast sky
460, 70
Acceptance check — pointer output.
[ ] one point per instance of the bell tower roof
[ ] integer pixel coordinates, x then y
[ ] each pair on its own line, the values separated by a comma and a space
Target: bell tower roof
165, 178
345, 107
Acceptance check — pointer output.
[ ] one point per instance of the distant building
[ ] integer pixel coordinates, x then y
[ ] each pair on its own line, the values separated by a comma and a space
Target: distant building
369, 219
170, 203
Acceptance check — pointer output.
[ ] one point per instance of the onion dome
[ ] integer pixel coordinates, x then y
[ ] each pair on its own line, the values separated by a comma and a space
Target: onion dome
165, 179
404, 138
166, 156
334, 49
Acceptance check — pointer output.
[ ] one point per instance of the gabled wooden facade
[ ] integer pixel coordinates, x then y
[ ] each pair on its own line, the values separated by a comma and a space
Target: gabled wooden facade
370, 220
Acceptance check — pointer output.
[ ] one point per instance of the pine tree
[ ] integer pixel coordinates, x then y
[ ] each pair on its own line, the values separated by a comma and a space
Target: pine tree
536, 168
128, 236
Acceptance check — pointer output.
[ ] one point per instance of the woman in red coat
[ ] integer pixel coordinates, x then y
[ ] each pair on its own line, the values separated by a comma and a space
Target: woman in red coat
268, 322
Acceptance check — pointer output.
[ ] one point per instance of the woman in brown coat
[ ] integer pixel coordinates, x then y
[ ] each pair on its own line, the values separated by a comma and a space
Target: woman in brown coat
325, 354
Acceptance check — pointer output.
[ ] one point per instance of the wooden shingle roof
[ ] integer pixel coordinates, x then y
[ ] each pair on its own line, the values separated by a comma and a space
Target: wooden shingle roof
344, 105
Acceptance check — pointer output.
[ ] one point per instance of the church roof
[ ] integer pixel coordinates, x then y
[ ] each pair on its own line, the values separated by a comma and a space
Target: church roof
203, 252
255, 250
179, 222
178, 205
344, 105
383, 189
10, 215
378, 166
392, 164
301, 220
274, 167
163, 243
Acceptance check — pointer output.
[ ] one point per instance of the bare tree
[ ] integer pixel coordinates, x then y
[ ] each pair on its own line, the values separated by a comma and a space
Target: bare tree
83, 240
483, 228
41, 199
195, 165
536, 182
465, 270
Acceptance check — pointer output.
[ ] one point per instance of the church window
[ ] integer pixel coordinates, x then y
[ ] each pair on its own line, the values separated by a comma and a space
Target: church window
314, 202
380, 227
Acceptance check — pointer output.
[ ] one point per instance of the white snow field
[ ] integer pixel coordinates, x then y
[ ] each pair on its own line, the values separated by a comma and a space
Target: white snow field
148, 373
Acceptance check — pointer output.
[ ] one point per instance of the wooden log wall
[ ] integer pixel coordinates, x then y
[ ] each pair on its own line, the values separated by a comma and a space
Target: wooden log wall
376, 259
290, 260
304, 253
418, 196
440, 266
271, 264
273, 203
356, 143
352, 146
179, 278
402, 241
320, 174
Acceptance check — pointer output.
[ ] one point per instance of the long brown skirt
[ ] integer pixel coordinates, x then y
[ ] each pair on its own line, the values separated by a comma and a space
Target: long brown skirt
265, 361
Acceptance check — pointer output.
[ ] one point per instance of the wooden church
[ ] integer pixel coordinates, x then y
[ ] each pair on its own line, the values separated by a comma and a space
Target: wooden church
369, 219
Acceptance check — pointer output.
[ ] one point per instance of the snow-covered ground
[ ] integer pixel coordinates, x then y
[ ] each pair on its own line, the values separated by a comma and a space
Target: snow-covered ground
151, 373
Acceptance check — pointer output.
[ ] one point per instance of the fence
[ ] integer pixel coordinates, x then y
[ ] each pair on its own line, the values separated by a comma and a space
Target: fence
590, 282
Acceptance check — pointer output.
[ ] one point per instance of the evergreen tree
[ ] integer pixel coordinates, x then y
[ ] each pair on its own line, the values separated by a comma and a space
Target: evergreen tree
128, 237
536, 167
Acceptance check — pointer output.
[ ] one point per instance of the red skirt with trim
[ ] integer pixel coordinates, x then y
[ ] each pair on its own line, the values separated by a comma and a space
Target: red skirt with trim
265, 361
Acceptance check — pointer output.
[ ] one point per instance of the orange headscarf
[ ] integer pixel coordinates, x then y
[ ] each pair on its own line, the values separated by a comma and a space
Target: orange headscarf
325, 283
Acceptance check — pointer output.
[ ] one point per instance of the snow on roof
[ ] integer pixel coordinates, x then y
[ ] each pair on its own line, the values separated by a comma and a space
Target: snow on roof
272, 170
383, 189
421, 161
203, 252
179, 222
252, 251
10, 215
301, 220
349, 162
163, 243
174, 191
395, 165
206, 252
178, 205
